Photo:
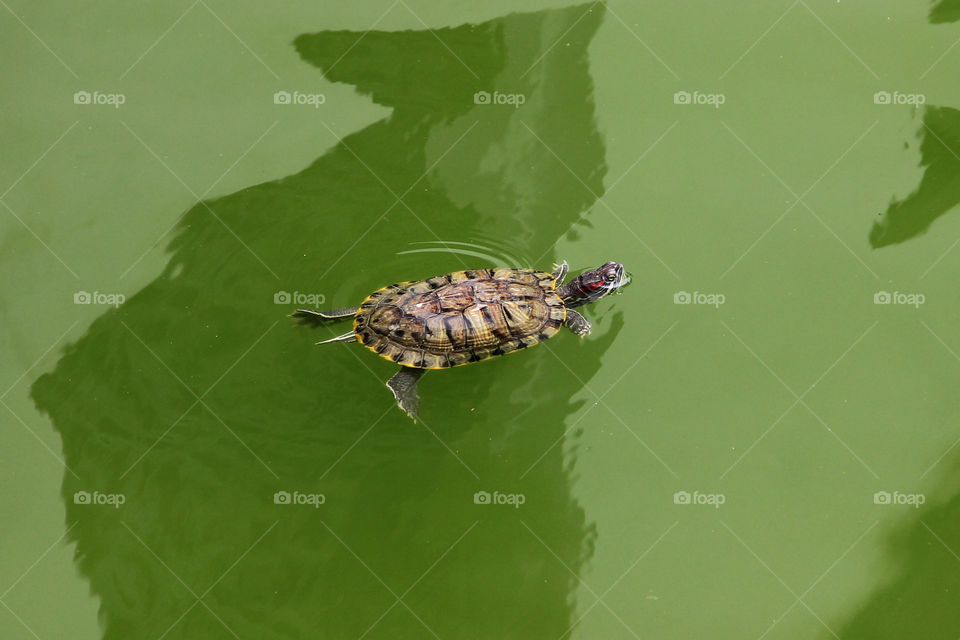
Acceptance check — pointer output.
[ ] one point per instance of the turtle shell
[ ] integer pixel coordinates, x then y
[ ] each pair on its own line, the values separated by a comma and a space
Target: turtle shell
460, 317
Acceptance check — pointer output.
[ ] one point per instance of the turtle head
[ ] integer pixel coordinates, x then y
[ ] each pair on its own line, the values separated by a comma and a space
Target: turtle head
592, 285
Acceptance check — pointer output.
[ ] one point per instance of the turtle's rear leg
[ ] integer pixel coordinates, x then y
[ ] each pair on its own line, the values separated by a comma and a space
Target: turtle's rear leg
316, 318
403, 384
323, 316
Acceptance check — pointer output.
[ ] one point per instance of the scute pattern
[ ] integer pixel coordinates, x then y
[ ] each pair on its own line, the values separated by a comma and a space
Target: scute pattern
460, 317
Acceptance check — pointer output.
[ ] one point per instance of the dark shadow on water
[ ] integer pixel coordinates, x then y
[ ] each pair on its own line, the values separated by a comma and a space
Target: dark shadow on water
939, 190
399, 519
945, 11
920, 601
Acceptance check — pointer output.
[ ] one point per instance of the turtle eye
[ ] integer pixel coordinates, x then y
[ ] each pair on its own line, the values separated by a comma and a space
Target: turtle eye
611, 277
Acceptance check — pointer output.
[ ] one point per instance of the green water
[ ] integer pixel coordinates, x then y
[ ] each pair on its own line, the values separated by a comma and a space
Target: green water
783, 200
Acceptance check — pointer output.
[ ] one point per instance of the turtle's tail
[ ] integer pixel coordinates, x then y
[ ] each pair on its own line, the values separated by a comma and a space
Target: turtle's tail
350, 336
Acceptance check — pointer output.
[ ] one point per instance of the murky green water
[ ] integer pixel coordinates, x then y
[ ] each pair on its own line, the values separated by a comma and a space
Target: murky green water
757, 440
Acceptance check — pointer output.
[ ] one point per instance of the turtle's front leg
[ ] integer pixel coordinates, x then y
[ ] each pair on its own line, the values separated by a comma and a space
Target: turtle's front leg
560, 272
403, 384
577, 323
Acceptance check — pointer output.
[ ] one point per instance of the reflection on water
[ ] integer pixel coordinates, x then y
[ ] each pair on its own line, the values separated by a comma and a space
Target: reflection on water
198, 400
939, 190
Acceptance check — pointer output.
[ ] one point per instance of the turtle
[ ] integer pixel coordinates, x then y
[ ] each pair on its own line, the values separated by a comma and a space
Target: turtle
466, 316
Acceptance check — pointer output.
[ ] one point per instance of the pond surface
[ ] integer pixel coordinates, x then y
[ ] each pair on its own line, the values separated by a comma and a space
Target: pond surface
756, 441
